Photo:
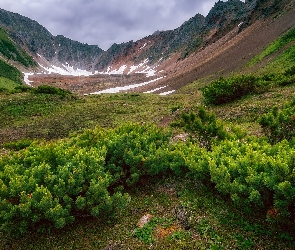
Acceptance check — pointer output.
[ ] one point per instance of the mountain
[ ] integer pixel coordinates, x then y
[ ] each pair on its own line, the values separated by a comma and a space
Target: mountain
200, 47
37, 40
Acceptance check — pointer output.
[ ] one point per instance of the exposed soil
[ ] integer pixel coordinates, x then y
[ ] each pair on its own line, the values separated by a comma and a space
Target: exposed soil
229, 54
88, 84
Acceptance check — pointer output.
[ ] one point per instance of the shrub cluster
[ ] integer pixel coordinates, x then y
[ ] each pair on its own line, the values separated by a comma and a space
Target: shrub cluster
87, 174
279, 124
205, 129
225, 90
52, 183
45, 89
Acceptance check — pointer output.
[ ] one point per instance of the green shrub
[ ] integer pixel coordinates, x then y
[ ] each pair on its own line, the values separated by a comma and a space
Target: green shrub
279, 124
132, 151
227, 90
52, 183
204, 128
18, 145
45, 89
256, 175
21, 89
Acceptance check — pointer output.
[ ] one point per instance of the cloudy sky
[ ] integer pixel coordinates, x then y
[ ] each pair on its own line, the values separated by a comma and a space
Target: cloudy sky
104, 22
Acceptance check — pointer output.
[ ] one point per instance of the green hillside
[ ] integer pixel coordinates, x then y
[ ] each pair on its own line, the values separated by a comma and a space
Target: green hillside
194, 203
280, 53
10, 76
12, 51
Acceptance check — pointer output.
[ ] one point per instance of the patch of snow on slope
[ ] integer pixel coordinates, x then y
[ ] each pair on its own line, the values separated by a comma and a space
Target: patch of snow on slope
142, 46
120, 71
154, 90
167, 93
135, 67
149, 72
26, 78
118, 89
66, 70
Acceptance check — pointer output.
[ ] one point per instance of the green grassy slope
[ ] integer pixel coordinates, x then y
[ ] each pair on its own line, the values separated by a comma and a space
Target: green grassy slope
12, 51
10, 76
214, 222
280, 54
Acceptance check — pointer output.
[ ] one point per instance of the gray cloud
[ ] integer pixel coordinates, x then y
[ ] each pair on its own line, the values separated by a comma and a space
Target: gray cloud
102, 22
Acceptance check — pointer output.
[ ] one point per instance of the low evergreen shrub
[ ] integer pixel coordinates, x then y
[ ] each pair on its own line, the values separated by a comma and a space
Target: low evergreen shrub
279, 124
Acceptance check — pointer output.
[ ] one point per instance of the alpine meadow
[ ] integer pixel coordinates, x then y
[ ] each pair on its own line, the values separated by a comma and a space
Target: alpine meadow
184, 139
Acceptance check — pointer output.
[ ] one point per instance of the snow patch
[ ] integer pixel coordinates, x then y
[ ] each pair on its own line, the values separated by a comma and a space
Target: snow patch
154, 90
167, 93
120, 71
66, 70
26, 78
135, 67
142, 46
128, 87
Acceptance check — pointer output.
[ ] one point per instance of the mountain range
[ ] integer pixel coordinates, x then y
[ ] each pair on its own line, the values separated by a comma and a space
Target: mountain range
212, 46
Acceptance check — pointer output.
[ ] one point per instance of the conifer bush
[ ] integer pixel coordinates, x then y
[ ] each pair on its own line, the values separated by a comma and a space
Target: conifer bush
51, 184
225, 90
279, 124
205, 129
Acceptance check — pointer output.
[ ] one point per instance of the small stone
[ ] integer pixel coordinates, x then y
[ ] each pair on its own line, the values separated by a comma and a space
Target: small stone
144, 220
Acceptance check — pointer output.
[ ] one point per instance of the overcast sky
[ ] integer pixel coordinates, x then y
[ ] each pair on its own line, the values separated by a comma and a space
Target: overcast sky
104, 22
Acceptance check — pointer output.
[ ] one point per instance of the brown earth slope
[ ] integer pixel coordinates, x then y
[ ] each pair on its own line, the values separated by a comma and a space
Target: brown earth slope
228, 54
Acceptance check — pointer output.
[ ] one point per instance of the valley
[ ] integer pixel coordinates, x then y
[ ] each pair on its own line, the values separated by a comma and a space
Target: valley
190, 130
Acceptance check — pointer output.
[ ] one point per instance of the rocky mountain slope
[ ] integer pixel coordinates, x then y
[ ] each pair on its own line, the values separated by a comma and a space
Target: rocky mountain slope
220, 42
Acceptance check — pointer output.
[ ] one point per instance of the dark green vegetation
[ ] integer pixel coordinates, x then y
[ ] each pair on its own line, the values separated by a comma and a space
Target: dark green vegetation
233, 88
9, 74
13, 52
229, 175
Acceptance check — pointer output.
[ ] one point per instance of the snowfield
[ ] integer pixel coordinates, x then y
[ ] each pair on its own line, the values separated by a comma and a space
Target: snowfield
66, 70
26, 78
128, 87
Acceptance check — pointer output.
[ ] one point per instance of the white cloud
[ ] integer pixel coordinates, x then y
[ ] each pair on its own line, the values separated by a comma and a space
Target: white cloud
103, 22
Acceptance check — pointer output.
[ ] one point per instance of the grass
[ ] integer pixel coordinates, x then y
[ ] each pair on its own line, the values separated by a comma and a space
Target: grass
31, 115
10, 72
52, 116
281, 50
7, 84
275, 46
